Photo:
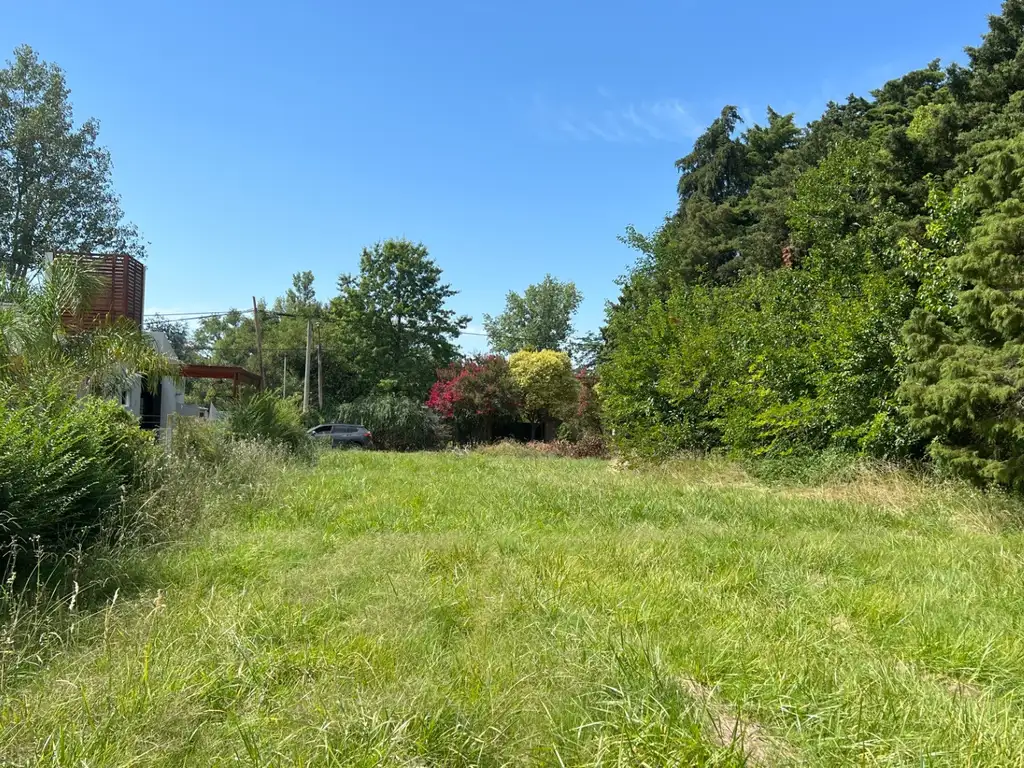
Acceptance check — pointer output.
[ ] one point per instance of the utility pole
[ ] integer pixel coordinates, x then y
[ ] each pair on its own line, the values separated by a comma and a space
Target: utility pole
284, 379
305, 379
319, 375
259, 344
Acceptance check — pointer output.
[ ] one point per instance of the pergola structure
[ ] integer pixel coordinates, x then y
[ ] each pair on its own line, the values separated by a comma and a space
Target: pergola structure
233, 373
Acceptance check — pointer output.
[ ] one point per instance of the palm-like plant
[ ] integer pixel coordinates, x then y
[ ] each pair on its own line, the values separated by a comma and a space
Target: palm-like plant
42, 334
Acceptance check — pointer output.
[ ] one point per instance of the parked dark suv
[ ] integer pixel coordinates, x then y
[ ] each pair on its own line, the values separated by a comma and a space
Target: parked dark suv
343, 435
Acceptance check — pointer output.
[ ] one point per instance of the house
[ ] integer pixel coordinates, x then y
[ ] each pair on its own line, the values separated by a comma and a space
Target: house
123, 296
154, 405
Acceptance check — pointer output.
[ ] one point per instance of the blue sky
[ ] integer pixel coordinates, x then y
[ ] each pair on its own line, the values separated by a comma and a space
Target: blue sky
252, 140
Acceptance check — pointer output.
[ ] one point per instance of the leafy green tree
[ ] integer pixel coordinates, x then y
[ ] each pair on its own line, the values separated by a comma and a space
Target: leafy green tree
218, 336
178, 334
996, 70
56, 193
231, 339
546, 382
587, 350
300, 299
394, 314
539, 319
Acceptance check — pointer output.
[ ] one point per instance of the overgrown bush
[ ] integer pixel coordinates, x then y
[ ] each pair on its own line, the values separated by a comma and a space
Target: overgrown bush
782, 362
583, 422
589, 446
207, 476
267, 417
398, 423
67, 465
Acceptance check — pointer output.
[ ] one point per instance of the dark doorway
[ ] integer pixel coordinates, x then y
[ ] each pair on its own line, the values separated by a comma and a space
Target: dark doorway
149, 418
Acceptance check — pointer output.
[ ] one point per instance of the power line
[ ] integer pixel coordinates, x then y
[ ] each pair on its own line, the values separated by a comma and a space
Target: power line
198, 313
270, 312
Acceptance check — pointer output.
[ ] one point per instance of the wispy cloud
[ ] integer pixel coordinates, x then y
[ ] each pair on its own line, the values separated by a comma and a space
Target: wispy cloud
619, 122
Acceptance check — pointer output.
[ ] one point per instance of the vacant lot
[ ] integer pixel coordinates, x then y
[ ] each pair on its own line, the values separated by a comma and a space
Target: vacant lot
492, 610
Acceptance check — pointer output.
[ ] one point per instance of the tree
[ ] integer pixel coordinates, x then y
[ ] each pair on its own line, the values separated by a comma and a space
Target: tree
539, 319
586, 351
717, 168
300, 299
56, 193
178, 334
811, 280
965, 386
547, 383
394, 314
42, 336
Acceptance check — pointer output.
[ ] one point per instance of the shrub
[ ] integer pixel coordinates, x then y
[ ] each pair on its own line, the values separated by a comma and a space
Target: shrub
268, 417
776, 363
584, 420
473, 395
66, 465
398, 423
589, 446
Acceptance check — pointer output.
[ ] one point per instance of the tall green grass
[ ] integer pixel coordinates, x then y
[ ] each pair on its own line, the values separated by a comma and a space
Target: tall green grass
109, 529
268, 418
472, 609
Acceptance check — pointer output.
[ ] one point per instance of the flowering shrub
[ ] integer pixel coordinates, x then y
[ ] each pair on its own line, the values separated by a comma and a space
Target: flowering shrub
473, 395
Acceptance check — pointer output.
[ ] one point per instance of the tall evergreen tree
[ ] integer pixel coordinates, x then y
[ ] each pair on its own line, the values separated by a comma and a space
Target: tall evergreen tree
965, 387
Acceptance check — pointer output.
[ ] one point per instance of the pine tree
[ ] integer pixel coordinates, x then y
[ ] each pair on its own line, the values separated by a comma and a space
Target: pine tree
965, 386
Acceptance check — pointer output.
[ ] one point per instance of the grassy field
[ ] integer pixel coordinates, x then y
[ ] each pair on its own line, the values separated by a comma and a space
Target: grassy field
446, 609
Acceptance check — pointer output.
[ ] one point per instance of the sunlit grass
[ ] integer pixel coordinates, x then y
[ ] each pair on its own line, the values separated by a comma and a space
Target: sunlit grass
495, 610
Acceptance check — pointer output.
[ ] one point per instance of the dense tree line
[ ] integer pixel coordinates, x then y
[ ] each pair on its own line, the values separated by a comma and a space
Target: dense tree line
386, 352
855, 284
387, 329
